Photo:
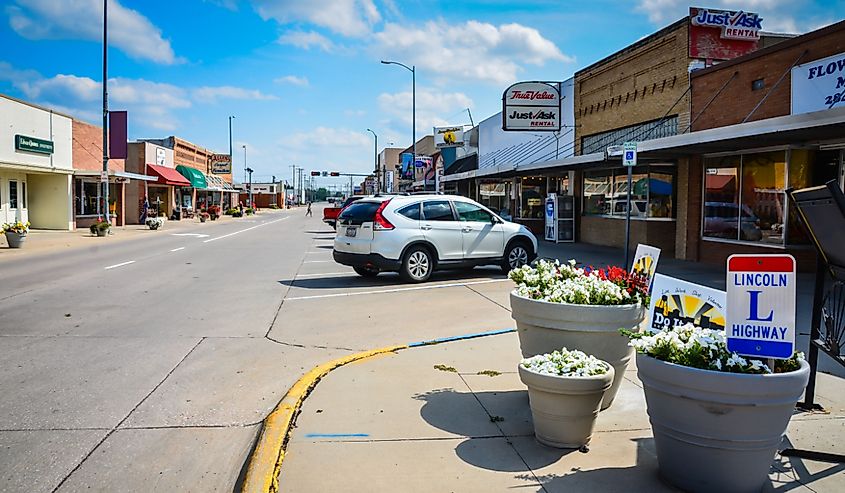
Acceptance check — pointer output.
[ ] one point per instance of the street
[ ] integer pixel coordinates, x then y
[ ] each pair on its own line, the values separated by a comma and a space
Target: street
149, 364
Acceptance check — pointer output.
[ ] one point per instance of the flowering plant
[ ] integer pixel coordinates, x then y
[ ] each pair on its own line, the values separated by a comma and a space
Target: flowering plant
99, 225
16, 227
565, 283
565, 363
706, 349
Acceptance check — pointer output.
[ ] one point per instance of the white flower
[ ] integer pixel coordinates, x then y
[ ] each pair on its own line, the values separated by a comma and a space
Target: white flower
566, 363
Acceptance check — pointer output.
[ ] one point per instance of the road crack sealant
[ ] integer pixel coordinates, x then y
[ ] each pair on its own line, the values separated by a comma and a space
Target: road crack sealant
123, 420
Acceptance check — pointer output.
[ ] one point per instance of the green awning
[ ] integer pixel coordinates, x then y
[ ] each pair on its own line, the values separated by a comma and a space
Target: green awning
195, 176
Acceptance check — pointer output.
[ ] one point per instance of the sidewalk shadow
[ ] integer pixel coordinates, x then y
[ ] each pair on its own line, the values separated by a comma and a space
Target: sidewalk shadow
389, 279
795, 469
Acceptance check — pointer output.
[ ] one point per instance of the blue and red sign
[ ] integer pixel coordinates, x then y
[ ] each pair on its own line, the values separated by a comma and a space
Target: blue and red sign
760, 318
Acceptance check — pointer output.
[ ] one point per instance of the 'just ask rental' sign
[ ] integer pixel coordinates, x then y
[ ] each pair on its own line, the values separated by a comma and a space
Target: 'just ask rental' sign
819, 85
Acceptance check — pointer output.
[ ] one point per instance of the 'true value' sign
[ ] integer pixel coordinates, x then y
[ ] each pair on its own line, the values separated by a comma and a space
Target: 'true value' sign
760, 316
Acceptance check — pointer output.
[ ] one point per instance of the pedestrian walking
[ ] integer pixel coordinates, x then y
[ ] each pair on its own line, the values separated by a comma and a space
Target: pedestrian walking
308, 212
241, 208
145, 208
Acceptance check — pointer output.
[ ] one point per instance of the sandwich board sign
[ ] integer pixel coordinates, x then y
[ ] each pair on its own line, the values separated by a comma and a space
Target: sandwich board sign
760, 319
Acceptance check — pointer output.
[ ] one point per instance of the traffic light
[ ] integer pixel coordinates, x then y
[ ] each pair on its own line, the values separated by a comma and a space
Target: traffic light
315, 173
334, 173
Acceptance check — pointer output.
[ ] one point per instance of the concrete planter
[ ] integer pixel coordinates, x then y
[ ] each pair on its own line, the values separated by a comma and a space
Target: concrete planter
564, 409
717, 431
544, 327
15, 240
102, 232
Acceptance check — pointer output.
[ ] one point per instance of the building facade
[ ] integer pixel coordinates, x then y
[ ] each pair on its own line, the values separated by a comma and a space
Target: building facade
36, 165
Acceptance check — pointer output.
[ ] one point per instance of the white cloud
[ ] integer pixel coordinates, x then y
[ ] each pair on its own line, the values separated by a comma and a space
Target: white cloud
345, 17
306, 40
470, 51
326, 137
431, 105
778, 15
211, 94
292, 79
354, 113
129, 31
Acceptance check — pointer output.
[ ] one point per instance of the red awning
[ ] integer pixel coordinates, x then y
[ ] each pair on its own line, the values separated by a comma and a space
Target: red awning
168, 176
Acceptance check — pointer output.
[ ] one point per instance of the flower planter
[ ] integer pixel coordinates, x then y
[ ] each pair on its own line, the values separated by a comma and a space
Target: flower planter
717, 431
564, 408
102, 232
15, 240
543, 327
203, 219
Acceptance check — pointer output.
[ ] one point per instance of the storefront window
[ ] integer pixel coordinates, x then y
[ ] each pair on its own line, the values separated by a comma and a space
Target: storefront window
652, 192
744, 197
13, 194
532, 197
496, 197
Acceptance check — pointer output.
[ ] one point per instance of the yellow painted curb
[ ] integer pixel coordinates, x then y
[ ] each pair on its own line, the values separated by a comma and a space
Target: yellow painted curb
262, 474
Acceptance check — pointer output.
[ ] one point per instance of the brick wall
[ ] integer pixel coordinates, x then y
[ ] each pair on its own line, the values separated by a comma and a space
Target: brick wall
638, 84
611, 232
737, 99
88, 148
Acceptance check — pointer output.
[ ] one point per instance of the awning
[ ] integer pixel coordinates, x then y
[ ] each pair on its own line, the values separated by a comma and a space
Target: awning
194, 176
168, 176
809, 129
214, 183
462, 165
116, 174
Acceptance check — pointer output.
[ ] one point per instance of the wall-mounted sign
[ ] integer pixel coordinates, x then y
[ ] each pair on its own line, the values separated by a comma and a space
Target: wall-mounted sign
161, 156
675, 302
422, 162
31, 144
722, 34
221, 164
533, 106
449, 136
818, 85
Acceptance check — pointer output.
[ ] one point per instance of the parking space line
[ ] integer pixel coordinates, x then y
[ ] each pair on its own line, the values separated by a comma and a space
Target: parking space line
177, 249
120, 265
396, 290
244, 230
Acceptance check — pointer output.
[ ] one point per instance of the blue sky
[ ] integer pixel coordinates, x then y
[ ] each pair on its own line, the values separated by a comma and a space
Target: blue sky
303, 78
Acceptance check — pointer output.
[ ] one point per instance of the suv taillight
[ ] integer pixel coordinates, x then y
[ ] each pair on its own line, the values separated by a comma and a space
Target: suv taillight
380, 223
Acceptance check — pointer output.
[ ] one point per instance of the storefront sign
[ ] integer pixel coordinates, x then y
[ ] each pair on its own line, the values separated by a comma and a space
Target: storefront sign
722, 34
761, 311
422, 162
675, 302
531, 106
449, 136
819, 85
161, 156
31, 144
221, 164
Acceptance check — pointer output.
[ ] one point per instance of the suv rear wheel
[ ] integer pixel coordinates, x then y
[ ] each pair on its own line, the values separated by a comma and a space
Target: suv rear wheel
516, 255
366, 271
417, 265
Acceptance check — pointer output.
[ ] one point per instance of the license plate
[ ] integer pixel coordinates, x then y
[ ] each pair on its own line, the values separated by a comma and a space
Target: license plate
351, 231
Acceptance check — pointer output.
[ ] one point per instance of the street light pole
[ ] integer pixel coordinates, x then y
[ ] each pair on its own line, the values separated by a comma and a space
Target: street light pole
105, 112
375, 159
230, 140
249, 187
249, 170
413, 70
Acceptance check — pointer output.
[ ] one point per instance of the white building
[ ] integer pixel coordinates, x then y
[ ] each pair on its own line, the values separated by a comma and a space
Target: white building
36, 167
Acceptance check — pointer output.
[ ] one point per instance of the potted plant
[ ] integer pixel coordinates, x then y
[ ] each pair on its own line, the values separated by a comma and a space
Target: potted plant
155, 222
100, 227
717, 417
16, 233
565, 391
560, 305
204, 215
214, 212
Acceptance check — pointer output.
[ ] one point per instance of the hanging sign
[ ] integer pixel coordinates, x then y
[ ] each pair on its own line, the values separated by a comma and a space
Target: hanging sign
761, 308
533, 106
221, 164
819, 85
675, 302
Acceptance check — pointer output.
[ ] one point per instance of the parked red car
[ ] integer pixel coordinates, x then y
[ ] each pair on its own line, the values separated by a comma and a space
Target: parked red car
330, 213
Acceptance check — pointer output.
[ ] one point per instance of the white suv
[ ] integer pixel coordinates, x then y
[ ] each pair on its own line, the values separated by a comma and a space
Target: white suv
416, 234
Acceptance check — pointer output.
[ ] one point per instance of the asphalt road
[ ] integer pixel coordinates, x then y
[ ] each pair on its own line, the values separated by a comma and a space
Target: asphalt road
148, 365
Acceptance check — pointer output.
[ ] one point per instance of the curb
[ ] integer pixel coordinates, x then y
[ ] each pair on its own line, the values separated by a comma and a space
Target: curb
265, 462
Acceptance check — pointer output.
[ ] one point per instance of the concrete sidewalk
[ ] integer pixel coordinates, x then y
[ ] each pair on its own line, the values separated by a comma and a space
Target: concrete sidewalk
40, 241
455, 417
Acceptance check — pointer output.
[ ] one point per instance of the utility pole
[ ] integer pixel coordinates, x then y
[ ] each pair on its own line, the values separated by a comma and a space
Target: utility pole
105, 182
230, 142
375, 159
